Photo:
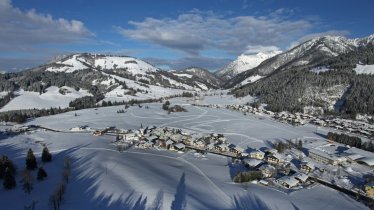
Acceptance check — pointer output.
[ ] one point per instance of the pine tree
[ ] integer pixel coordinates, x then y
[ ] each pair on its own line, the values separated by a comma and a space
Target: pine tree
4, 164
41, 174
31, 163
46, 155
9, 180
300, 145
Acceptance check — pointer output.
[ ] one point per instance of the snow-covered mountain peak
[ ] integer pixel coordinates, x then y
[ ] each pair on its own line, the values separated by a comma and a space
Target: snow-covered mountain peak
82, 61
245, 62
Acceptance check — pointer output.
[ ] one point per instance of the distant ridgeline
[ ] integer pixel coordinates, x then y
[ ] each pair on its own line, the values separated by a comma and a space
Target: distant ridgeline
298, 87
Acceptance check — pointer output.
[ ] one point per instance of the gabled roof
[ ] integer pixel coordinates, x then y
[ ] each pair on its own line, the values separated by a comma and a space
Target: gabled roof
309, 164
290, 181
179, 146
300, 176
252, 162
169, 142
276, 155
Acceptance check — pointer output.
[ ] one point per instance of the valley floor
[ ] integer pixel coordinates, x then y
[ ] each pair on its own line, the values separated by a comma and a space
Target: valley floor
103, 178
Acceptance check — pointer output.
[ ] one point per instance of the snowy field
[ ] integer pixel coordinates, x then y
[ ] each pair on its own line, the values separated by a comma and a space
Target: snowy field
364, 69
52, 98
103, 178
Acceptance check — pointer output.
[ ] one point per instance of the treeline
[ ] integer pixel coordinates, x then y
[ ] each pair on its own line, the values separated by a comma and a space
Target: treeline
5, 99
20, 116
351, 141
86, 102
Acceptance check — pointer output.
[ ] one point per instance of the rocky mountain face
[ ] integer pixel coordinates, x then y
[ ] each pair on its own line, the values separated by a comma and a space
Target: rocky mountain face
243, 63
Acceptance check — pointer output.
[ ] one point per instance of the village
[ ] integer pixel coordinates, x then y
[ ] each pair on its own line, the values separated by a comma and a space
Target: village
286, 166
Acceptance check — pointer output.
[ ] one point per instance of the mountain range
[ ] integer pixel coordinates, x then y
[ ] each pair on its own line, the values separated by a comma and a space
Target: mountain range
321, 73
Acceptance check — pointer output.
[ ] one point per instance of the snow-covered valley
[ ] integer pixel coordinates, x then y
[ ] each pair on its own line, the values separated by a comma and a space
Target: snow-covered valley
104, 178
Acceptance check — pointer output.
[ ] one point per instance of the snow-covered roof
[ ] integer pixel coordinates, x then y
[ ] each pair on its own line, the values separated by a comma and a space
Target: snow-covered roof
309, 164
323, 154
252, 162
277, 156
354, 156
179, 146
169, 142
302, 177
290, 181
368, 161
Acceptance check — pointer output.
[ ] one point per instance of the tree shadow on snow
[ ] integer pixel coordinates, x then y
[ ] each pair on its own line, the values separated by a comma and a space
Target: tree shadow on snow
179, 202
84, 192
321, 135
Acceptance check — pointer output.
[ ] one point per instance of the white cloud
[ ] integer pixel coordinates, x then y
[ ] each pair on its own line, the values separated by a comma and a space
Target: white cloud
195, 31
25, 30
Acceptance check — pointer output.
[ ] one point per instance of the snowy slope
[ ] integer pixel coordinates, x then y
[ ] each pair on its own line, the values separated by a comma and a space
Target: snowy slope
308, 53
364, 69
244, 63
251, 79
85, 61
52, 98
132, 65
69, 65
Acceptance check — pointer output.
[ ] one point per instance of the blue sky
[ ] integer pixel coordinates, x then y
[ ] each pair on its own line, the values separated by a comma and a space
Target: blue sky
170, 34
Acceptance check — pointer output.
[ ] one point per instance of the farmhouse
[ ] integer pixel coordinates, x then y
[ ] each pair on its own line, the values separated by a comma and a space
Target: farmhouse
252, 163
302, 178
307, 167
288, 181
275, 158
257, 154
179, 147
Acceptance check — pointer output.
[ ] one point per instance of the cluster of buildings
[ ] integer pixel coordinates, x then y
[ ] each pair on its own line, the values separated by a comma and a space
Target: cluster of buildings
349, 126
285, 169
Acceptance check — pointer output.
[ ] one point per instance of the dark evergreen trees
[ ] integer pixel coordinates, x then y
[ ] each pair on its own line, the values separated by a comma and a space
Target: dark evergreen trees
46, 155
31, 163
6, 164
351, 141
9, 180
42, 174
